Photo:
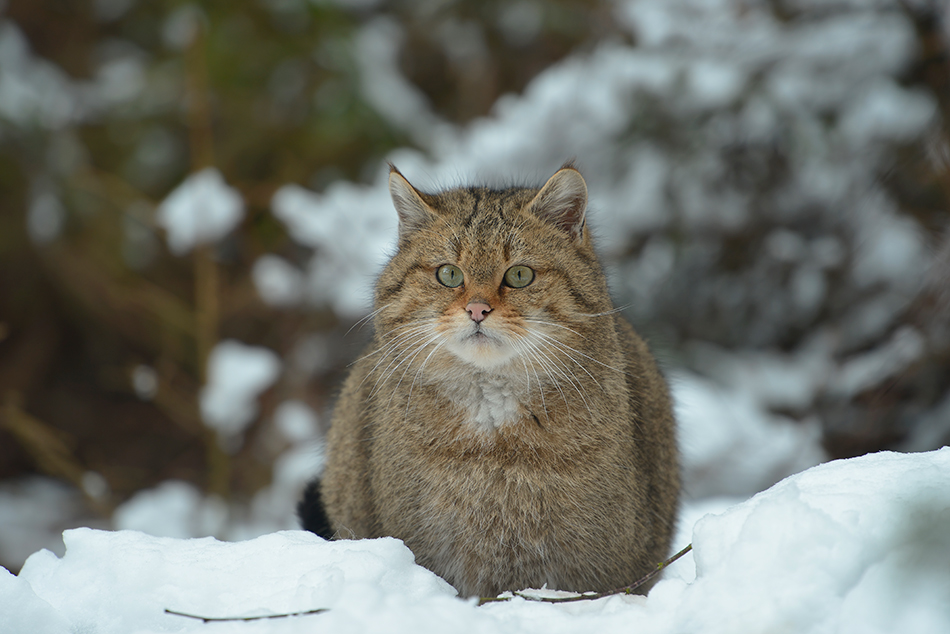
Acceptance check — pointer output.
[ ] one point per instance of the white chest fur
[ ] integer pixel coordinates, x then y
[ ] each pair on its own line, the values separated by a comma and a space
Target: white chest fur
490, 401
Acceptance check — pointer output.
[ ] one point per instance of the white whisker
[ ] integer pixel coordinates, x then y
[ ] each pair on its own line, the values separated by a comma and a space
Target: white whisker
552, 323
563, 371
606, 312
363, 320
586, 356
523, 353
561, 347
401, 353
408, 337
388, 344
418, 372
408, 363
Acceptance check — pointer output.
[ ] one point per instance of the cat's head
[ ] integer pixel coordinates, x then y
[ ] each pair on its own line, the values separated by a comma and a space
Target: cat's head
496, 278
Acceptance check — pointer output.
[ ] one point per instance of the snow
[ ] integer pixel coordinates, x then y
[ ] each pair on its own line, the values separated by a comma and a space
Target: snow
203, 209
287, 571
352, 230
33, 512
722, 435
145, 382
94, 485
179, 509
858, 545
121, 80
871, 368
172, 509
237, 374
295, 420
181, 26
383, 85
33, 91
278, 282
45, 217
886, 110
770, 379
855, 545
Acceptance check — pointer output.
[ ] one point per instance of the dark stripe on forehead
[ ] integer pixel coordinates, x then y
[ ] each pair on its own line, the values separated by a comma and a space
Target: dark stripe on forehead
476, 195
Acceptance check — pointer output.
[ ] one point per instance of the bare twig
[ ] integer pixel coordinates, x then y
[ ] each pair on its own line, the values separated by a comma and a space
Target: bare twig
216, 619
590, 596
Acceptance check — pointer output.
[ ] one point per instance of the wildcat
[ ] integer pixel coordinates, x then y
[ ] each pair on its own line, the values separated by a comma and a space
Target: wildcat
505, 423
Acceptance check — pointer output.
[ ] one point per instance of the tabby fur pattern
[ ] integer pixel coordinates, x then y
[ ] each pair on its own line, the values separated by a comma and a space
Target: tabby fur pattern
511, 435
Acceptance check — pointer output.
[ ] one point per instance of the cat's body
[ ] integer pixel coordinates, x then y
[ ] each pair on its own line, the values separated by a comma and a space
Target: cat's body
505, 423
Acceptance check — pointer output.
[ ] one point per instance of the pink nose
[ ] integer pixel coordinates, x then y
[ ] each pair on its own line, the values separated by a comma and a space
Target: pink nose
478, 311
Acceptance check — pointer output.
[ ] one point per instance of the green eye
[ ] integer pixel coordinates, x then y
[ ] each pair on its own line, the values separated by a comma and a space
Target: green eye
449, 275
519, 276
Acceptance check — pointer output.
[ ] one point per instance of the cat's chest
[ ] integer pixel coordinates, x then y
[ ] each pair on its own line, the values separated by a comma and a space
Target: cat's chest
489, 402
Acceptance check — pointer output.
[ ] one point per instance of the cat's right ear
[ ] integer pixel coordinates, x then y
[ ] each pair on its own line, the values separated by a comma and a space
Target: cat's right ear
414, 213
563, 202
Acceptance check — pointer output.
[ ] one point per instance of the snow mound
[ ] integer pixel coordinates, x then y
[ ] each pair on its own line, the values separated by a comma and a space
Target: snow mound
124, 581
857, 545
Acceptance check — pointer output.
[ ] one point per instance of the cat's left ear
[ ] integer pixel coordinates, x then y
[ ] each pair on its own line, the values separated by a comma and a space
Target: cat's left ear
563, 202
414, 212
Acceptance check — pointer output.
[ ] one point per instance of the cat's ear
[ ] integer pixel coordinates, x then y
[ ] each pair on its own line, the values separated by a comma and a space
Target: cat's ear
413, 211
563, 202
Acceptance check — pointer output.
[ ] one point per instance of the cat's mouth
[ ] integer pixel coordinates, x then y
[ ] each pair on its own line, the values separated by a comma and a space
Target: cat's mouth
480, 338
482, 348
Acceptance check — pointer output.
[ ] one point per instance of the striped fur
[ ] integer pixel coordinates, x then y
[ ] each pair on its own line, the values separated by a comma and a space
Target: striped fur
534, 447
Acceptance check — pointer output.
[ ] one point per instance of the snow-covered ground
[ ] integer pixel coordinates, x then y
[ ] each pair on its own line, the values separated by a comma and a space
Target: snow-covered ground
857, 545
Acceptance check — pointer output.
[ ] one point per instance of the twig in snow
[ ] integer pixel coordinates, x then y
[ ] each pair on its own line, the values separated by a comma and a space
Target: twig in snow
215, 619
590, 596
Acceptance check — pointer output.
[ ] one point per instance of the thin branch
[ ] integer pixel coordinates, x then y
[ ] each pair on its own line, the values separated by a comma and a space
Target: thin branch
215, 619
591, 596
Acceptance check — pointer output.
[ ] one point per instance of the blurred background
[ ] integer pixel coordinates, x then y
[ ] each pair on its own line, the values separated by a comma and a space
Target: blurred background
193, 208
